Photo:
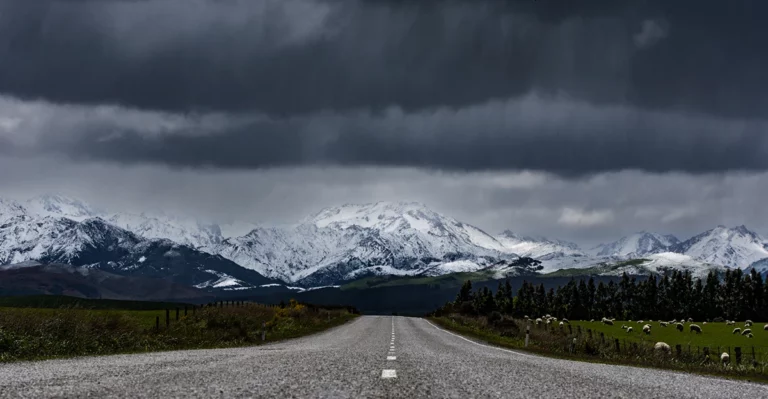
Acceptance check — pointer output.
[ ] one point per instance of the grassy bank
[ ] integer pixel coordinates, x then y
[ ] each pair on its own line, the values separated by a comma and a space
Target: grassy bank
32, 333
593, 347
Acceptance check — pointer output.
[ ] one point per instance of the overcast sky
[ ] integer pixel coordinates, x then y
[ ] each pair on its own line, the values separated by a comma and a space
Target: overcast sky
582, 121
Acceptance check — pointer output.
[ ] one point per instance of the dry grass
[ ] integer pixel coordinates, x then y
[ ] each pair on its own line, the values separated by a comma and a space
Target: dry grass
46, 333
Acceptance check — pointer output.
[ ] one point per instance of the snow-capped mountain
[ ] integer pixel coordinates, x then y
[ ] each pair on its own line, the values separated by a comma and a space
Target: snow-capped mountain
637, 245
182, 231
60, 206
736, 247
95, 243
350, 241
537, 247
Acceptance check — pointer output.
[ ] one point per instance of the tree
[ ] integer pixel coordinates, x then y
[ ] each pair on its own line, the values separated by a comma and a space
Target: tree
465, 293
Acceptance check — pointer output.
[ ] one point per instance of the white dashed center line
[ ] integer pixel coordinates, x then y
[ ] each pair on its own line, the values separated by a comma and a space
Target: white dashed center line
388, 373
391, 373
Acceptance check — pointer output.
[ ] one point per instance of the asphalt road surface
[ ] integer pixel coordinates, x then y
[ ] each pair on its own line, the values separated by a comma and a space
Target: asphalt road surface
377, 357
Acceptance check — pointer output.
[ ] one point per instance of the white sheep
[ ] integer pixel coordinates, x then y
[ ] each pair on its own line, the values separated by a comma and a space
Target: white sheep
561, 324
623, 326
725, 358
736, 330
750, 335
639, 322
566, 321
647, 329
765, 327
663, 323
662, 347
695, 328
679, 326
629, 330
748, 323
746, 331
538, 321
607, 321
730, 323
705, 323
690, 319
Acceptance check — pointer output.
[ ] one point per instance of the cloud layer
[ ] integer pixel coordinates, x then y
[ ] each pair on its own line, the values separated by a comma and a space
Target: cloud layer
286, 57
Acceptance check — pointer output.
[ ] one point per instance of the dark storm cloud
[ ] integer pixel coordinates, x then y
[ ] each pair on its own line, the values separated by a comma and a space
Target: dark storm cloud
552, 134
290, 57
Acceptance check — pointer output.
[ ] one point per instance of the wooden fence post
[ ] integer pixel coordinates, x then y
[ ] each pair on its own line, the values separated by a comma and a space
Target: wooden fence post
570, 329
602, 337
618, 348
263, 331
185, 310
157, 323
177, 314
167, 318
578, 330
737, 350
678, 349
527, 335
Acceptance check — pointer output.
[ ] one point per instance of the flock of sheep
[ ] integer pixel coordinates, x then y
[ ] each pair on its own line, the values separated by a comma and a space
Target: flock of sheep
663, 347
660, 347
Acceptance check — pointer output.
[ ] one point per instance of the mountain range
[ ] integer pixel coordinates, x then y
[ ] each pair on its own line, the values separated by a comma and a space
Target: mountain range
333, 246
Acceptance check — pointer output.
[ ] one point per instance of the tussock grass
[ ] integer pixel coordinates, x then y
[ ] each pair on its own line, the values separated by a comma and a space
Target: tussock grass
30, 333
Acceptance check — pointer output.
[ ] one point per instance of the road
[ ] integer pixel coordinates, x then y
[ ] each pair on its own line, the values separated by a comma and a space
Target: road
377, 357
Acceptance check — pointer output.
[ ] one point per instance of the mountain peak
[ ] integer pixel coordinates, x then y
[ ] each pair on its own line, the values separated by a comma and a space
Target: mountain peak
60, 206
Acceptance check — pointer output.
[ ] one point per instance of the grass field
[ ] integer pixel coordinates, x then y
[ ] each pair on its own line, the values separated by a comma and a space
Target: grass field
717, 336
634, 349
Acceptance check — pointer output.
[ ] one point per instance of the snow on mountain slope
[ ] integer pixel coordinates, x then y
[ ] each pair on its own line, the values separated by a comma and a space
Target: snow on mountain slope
10, 209
537, 247
59, 240
736, 247
336, 242
60, 206
636, 245
182, 231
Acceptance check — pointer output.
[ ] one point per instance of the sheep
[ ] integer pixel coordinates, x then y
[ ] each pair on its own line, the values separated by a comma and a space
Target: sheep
639, 322
629, 330
765, 327
736, 330
679, 327
566, 321
549, 321
662, 347
690, 319
746, 331
662, 323
748, 323
526, 317
623, 326
538, 321
561, 324
750, 335
607, 321
674, 321
592, 321
647, 329
705, 323
696, 328
730, 323
725, 358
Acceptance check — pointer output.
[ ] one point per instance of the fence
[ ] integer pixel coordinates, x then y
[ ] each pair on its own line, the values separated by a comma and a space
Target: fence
579, 341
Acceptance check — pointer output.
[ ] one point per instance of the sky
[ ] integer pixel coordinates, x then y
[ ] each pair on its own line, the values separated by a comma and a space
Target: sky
581, 121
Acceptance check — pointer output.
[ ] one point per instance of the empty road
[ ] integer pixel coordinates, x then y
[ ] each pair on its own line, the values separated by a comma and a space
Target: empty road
378, 357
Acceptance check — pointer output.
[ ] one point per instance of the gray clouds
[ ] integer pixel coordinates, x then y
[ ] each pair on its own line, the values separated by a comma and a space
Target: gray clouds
287, 57
552, 134
586, 211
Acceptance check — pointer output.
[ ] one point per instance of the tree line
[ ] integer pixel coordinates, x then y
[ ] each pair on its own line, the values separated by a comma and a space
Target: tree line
733, 295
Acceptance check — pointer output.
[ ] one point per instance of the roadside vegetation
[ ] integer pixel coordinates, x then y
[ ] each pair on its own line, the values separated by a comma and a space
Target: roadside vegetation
550, 321
40, 333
